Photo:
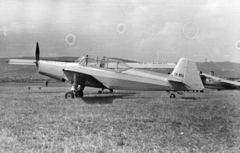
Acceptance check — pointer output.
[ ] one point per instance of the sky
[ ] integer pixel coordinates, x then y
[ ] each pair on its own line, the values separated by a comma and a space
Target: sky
141, 30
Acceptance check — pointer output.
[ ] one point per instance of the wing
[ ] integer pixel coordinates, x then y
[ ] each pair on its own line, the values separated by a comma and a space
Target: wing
223, 82
20, 61
83, 79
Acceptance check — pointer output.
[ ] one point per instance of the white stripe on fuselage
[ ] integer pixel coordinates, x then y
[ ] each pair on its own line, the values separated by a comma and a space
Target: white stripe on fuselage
151, 65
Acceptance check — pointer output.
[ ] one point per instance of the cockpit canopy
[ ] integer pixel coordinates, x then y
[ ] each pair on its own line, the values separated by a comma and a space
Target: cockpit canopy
105, 63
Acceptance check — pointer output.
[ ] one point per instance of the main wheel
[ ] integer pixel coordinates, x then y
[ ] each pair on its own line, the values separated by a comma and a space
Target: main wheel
69, 95
79, 93
172, 96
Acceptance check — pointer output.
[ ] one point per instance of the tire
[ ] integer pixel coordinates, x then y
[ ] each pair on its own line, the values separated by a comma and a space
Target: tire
79, 93
172, 96
69, 95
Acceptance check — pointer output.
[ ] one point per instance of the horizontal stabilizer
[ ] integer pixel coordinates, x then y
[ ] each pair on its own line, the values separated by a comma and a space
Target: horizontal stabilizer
20, 62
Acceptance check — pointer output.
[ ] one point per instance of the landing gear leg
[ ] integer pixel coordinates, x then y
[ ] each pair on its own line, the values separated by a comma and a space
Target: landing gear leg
79, 93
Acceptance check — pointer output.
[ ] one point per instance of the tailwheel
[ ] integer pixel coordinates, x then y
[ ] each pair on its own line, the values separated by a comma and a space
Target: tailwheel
69, 95
79, 93
172, 96
100, 91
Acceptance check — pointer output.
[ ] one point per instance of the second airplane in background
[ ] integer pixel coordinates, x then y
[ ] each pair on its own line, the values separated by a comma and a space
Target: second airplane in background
212, 82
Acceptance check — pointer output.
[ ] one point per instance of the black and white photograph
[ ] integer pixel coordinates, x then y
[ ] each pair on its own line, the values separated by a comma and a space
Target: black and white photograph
119, 76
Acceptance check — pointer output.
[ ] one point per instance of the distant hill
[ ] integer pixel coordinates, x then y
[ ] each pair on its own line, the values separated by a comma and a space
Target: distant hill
16, 70
221, 69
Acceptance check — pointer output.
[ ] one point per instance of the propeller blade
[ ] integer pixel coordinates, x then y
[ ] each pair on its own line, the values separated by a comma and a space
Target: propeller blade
37, 54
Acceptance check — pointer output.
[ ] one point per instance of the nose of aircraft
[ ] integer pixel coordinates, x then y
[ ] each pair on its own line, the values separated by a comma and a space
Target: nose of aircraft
52, 69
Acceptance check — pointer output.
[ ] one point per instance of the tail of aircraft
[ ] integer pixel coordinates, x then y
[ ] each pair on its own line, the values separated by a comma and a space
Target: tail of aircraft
186, 72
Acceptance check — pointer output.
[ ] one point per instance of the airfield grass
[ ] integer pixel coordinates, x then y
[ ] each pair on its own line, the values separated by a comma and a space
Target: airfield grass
44, 121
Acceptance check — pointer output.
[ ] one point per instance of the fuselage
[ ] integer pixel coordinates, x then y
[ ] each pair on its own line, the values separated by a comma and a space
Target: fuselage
130, 79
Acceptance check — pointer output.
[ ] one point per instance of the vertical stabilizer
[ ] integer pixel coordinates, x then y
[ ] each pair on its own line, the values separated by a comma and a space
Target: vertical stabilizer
186, 72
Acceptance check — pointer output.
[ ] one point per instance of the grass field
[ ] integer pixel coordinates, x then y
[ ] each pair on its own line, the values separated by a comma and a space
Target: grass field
44, 121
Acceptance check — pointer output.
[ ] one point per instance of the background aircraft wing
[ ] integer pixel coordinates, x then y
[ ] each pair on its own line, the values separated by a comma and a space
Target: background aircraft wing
224, 82
230, 84
124, 60
83, 79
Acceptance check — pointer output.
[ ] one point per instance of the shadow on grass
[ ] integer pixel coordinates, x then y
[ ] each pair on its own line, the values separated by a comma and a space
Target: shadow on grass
188, 98
45, 92
104, 99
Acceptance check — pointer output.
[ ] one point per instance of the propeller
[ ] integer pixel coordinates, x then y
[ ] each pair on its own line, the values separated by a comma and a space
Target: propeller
37, 54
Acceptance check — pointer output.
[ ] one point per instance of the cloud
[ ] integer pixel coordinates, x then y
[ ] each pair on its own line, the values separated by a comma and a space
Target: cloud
17, 27
3, 31
216, 8
171, 28
143, 8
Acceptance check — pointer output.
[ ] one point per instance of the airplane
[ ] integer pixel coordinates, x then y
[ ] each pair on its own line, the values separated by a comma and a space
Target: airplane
110, 73
212, 82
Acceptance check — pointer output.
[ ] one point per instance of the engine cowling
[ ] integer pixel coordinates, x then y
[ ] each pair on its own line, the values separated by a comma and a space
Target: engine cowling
52, 69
